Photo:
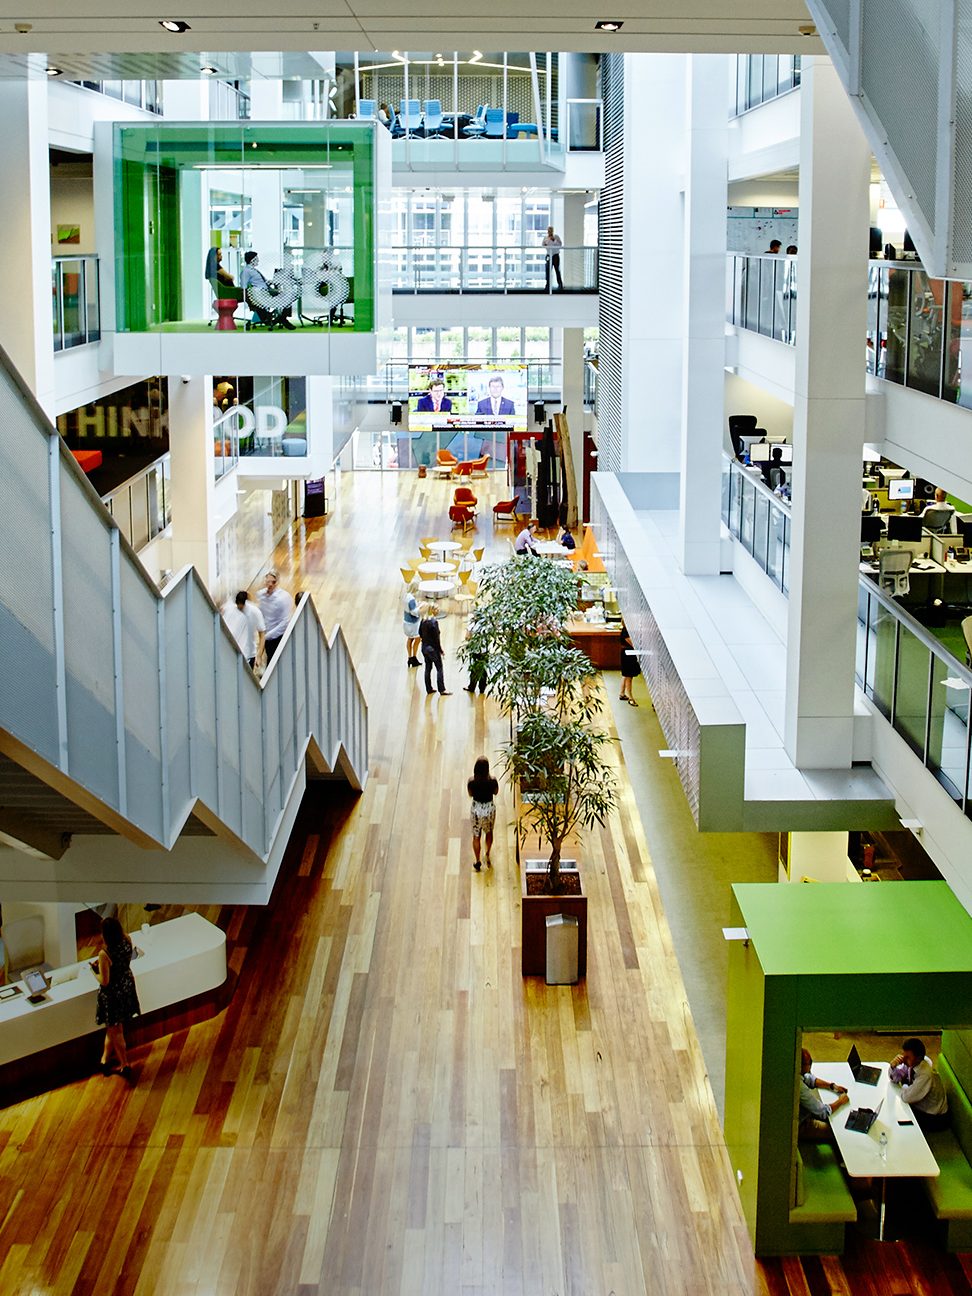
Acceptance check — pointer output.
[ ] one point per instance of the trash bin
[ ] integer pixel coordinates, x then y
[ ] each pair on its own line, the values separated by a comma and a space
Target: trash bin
562, 945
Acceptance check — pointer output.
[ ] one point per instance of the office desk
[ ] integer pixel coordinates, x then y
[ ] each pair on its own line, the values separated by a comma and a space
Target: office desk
957, 582
908, 1154
925, 576
602, 643
183, 958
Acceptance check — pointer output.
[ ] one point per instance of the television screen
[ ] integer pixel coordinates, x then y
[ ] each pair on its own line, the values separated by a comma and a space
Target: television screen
901, 488
467, 398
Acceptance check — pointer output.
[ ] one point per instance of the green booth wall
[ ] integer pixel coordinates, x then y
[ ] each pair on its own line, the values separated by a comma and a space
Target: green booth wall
159, 197
834, 956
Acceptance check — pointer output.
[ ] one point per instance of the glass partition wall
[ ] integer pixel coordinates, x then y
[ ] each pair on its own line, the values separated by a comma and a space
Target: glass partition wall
281, 214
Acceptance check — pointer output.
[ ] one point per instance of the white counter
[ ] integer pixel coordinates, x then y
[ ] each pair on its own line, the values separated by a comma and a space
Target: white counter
183, 957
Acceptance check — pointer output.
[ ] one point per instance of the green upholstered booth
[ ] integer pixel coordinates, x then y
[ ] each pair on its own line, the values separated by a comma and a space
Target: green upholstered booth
895, 957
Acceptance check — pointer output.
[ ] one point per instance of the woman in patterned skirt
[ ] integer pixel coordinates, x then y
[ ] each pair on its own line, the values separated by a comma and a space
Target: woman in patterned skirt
482, 787
117, 997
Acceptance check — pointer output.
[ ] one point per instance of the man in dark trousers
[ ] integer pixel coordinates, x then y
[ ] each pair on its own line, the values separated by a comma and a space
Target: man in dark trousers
432, 650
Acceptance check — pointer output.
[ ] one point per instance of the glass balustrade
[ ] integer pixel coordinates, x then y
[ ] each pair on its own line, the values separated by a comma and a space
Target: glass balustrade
761, 77
142, 506
499, 269
76, 307
761, 295
758, 519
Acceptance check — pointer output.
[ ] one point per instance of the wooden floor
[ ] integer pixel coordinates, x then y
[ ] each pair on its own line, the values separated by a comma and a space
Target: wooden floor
386, 1106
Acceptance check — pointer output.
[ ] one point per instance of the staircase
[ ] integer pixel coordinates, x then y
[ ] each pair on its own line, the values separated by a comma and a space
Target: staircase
139, 758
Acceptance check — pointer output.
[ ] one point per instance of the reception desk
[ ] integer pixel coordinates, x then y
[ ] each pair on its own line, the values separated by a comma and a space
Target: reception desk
600, 642
184, 960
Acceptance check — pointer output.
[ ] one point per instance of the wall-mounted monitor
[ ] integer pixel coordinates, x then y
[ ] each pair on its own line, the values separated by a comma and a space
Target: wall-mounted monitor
901, 488
464, 397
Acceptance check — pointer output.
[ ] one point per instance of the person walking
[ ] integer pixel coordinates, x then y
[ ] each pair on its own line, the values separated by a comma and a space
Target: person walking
629, 666
478, 668
553, 244
410, 623
482, 787
432, 650
244, 620
117, 995
277, 607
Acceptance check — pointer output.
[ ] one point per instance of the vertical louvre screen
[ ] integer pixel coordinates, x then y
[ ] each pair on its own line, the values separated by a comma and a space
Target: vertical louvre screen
611, 246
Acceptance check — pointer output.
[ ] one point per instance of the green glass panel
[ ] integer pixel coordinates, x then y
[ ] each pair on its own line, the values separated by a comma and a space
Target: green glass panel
911, 694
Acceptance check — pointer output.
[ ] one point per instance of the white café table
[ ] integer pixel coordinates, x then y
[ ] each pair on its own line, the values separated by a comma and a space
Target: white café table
444, 547
550, 548
908, 1154
437, 569
183, 957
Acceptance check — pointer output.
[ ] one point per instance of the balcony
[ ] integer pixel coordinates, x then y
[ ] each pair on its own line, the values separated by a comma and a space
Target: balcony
142, 506
491, 270
761, 295
77, 306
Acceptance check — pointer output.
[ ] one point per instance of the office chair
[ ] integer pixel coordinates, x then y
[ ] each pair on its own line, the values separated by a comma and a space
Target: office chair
410, 117
893, 568
938, 520
741, 425
368, 109
494, 124
433, 119
478, 123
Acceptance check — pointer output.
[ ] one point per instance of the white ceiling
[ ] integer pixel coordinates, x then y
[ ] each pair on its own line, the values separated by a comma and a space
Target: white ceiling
62, 29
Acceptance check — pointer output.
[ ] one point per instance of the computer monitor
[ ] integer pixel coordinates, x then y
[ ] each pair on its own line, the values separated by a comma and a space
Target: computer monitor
759, 452
903, 528
965, 531
901, 488
776, 438
784, 457
872, 528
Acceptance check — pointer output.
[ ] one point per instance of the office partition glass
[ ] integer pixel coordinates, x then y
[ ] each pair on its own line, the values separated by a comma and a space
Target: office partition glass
758, 519
193, 200
925, 333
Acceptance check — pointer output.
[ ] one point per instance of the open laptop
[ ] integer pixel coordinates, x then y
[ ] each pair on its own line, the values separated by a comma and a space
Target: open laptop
861, 1073
861, 1120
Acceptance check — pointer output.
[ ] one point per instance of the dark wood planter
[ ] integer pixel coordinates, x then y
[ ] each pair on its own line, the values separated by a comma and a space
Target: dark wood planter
534, 912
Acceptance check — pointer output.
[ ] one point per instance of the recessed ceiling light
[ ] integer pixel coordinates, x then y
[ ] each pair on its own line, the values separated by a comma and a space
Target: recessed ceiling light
174, 25
53, 71
609, 25
209, 70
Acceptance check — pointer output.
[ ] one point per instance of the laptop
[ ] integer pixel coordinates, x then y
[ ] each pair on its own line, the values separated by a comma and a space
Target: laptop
861, 1073
861, 1120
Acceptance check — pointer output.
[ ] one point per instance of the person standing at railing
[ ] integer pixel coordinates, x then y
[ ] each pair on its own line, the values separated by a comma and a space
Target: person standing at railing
277, 607
553, 245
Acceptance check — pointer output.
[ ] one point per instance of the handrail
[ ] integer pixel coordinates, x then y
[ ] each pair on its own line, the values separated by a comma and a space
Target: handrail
777, 501
769, 547
140, 706
927, 640
491, 267
157, 511
129, 482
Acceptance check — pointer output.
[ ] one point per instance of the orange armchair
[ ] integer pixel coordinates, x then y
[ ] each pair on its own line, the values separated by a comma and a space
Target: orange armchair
505, 511
462, 516
478, 466
463, 468
445, 459
464, 497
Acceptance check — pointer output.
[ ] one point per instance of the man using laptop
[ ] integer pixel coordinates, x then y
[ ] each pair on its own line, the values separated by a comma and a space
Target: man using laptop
921, 1086
815, 1114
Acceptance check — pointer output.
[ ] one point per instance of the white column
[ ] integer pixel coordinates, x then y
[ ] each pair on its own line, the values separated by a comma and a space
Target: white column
266, 98
572, 394
654, 160
26, 323
828, 424
320, 424
704, 344
186, 100
193, 480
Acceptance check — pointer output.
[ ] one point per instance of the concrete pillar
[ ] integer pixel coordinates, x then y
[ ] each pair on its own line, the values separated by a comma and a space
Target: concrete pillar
572, 393
26, 321
703, 345
320, 424
651, 382
193, 480
828, 425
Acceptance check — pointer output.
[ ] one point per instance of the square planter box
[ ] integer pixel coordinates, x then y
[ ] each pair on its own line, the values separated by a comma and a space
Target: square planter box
534, 912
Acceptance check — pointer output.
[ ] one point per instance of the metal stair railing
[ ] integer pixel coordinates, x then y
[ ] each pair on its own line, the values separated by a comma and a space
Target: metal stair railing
137, 704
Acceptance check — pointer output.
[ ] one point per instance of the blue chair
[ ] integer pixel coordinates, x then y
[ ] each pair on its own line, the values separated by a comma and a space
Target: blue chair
433, 118
494, 124
368, 109
409, 116
478, 123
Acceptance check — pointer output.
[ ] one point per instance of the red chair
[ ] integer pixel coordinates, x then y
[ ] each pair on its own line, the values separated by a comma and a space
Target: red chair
463, 497
463, 469
478, 467
462, 516
505, 511
445, 459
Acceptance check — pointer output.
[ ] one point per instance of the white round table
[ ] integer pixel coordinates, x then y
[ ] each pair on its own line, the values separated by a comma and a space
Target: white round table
436, 569
550, 548
436, 588
444, 547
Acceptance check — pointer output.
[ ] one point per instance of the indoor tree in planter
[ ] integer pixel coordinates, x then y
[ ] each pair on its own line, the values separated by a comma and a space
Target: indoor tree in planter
561, 761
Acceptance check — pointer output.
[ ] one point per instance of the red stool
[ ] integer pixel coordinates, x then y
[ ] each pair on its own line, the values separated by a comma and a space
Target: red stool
225, 309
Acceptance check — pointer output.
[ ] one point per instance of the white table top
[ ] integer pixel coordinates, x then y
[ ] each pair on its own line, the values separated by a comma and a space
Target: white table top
436, 586
908, 1154
444, 546
437, 568
549, 547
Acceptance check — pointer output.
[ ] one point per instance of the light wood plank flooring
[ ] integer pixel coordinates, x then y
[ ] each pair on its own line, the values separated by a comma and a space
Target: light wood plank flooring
387, 1106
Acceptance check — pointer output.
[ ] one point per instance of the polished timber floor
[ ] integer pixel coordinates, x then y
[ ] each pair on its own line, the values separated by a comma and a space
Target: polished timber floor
387, 1106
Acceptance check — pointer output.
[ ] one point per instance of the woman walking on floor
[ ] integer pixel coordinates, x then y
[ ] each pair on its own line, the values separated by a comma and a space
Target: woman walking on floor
629, 666
117, 996
482, 787
410, 624
432, 650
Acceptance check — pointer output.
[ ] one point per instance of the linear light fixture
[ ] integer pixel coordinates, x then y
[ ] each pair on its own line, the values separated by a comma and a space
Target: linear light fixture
53, 71
175, 25
209, 70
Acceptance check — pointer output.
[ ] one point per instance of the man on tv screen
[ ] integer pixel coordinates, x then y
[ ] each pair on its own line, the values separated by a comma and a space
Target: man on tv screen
435, 401
495, 403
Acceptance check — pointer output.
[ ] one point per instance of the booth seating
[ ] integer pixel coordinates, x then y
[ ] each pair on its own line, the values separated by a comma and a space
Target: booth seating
821, 1195
586, 550
951, 1193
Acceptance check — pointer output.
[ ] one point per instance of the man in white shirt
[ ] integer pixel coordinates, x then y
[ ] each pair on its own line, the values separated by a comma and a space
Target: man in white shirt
553, 244
921, 1086
524, 541
938, 508
244, 620
277, 607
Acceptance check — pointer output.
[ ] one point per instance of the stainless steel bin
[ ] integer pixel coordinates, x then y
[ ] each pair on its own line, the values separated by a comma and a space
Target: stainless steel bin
563, 938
